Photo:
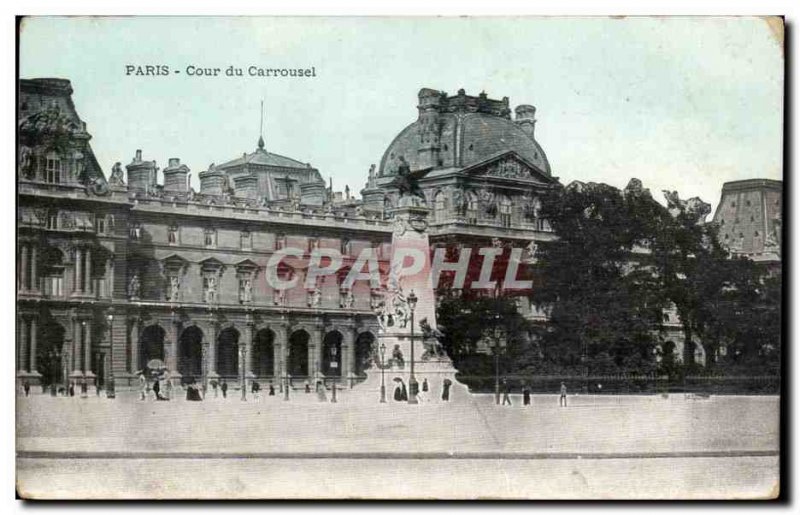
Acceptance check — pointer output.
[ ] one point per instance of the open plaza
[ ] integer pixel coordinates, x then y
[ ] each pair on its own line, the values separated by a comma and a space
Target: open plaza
687, 447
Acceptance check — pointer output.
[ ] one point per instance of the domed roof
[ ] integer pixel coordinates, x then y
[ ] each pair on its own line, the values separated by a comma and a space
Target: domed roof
464, 138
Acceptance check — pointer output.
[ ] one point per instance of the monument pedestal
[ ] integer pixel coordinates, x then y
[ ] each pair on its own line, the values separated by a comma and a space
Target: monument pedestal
410, 271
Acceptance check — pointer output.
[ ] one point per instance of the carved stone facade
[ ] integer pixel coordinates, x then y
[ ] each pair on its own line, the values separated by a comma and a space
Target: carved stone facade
113, 275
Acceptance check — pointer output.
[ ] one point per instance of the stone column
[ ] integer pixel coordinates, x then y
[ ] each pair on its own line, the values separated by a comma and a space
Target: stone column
110, 278
77, 341
134, 344
32, 368
319, 350
212, 349
22, 344
248, 346
88, 262
34, 271
87, 351
172, 356
348, 352
313, 341
77, 285
23, 272
279, 352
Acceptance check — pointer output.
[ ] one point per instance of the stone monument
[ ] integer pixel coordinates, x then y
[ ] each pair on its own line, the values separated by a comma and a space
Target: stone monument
409, 278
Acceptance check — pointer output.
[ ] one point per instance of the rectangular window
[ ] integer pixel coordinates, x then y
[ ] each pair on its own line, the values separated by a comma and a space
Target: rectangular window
52, 221
210, 239
53, 170
246, 240
100, 224
172, 235
56, 286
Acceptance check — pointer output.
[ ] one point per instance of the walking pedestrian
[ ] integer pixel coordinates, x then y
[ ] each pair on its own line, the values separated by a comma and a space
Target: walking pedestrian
142, 387
26, 387
526, 395
157, 389
72, 389
214, 387
84, 389
271, 389
224, 388
308, 387
97, 387
562, 401
506, 391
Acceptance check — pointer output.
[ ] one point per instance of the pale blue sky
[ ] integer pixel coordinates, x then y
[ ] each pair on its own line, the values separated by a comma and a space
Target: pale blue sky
680, 103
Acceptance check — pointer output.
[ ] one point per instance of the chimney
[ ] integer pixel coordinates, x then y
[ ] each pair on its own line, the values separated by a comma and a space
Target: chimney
525, 117
175, 175
140, 173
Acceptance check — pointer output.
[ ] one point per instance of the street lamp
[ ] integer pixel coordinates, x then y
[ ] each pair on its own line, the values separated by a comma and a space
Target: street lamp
498, 334
110, 392
412, 381
383, 382
243, 381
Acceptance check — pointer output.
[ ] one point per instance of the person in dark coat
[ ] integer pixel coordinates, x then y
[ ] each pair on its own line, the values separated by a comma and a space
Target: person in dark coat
26, 386
446, 389
72, 389
526, 395
271, 389
84, 388
425, 385
224, 388
157, 389
506, 391
96, 387
400, 392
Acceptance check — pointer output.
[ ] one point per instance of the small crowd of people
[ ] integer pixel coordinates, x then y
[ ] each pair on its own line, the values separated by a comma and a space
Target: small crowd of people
69, 390
526, 394
163, 390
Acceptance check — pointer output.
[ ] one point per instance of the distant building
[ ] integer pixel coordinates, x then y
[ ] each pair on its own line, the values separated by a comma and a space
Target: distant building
750, 219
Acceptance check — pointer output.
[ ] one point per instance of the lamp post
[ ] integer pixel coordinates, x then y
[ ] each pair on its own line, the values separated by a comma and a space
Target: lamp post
498, 333
383, 382
243, 381
412, 381
110, 392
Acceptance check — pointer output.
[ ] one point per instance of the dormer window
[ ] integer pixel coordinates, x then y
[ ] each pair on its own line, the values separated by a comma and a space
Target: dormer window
52, 169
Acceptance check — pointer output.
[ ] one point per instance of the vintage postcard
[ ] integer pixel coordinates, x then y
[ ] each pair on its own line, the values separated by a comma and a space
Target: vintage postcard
399, 258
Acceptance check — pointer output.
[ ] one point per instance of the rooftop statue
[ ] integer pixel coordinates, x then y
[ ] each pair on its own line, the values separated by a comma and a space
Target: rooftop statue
407, 182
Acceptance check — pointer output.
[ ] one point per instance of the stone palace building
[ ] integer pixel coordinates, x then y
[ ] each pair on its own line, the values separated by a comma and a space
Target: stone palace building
115, 272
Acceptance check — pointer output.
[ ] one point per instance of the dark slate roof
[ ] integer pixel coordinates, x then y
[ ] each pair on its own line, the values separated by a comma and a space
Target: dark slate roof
264, 158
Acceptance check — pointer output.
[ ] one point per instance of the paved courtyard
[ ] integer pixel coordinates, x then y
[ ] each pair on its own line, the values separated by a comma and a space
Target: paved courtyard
719, 446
